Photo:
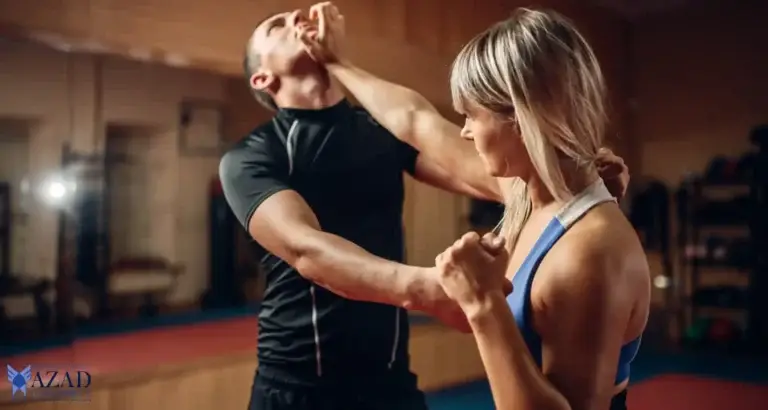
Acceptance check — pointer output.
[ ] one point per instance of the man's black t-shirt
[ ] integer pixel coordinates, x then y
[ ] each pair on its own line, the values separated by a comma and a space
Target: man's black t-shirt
349, 169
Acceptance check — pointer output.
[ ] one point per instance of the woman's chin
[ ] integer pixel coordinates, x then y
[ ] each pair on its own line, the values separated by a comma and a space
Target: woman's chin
498, 170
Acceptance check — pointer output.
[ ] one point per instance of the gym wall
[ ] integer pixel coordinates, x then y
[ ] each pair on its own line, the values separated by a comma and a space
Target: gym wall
699, 84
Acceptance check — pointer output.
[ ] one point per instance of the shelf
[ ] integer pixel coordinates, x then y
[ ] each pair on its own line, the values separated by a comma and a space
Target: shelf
707, 264
736, 347
722, 183
709, 212
743, 309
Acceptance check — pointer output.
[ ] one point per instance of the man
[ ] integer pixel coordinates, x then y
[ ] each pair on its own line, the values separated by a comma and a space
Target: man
320, 187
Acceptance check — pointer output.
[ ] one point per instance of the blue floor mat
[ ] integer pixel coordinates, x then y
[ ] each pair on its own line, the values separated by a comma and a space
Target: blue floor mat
475, 396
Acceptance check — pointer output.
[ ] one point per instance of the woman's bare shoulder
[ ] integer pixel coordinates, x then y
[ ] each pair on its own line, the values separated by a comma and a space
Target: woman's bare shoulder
601, 250
604, 233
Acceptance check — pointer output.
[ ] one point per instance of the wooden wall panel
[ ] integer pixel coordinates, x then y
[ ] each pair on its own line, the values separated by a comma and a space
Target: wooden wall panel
64, 18
203, 34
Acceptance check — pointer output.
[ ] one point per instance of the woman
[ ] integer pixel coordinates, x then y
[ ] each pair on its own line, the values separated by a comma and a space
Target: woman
532, 93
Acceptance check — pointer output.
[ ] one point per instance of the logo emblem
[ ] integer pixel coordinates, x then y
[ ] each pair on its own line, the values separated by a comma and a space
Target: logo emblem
20, 379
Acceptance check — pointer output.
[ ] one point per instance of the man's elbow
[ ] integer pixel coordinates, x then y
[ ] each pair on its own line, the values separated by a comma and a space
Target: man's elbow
304, 263
303, 253
310, 259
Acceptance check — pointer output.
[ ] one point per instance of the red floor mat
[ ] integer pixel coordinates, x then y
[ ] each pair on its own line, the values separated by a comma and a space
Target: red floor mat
679, 392
149, 348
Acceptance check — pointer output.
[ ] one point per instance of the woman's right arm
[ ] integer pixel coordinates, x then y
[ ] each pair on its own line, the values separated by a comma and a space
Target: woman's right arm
414, 120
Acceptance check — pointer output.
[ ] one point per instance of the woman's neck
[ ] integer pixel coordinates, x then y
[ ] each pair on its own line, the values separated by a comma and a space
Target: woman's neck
576, 180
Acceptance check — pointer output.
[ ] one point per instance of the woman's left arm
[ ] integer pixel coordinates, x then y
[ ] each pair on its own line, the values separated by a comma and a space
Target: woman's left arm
581, 319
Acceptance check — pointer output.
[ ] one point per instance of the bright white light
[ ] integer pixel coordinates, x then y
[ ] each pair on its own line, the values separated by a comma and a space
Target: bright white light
661, 281
57, 191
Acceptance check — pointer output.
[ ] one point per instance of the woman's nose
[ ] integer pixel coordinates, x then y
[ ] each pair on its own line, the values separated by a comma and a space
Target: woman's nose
465, 133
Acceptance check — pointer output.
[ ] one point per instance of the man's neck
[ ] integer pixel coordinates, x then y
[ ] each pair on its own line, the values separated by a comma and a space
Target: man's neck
313, 92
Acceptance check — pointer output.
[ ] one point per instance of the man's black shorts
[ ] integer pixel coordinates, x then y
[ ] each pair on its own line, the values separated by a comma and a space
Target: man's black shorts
270, 393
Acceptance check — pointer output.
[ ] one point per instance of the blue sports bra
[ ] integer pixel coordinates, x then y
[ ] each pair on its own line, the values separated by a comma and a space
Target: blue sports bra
519, 301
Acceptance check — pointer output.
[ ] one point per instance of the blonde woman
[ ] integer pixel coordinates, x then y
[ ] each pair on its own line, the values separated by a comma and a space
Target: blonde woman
532, 93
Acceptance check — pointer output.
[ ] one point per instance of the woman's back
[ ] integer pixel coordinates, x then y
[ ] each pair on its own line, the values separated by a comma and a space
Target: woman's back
605, 231
579, 271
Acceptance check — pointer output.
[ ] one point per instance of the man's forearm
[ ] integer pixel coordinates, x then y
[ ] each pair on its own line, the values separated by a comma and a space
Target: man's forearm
350, 271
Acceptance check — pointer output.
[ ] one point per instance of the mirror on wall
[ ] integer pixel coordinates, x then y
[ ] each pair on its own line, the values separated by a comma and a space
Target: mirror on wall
112, 219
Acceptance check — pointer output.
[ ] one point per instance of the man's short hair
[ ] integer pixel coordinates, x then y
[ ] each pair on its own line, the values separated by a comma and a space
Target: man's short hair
251, 63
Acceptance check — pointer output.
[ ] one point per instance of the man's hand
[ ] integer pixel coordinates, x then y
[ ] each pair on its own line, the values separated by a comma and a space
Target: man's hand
325, 45
613, 171
428, 296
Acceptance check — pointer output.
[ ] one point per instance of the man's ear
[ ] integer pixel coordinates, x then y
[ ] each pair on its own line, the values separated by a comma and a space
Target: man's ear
262, 80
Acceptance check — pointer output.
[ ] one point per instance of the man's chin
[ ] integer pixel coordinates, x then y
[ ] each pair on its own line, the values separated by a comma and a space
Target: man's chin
305, 63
